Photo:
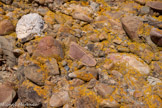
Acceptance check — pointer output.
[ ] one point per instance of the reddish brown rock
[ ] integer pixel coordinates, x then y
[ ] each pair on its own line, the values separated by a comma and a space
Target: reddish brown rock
131, 24
6, 27
79, 53
49, 47
156, 36
7, 95
155, 5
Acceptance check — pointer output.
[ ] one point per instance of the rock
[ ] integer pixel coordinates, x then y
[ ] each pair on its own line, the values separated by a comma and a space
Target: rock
7, 44
49, 47
109, 104
6, 27
94, 6
91, 83
17, 52
79, 53
29, 24
145, 10
34, 74
104, 90
156, 36
157, 5
142, 2
59, 99
156, 67
82, 17
153, 81
76, 82
52, 67
7, 94
85, 75
131, 24
86, 102
29, 96
7, 2
131, 61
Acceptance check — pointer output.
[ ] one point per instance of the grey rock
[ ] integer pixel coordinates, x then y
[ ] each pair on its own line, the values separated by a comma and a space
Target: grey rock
33, 74
8, 2
7, 45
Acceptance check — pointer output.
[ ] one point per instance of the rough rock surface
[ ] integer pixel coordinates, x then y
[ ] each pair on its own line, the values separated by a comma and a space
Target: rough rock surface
49, 47
29, 24
6, 27
131, 24
156, 36
79, 53
7, 95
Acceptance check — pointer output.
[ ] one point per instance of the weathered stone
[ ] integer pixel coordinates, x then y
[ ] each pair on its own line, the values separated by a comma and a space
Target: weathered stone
34, 74
155, 5
85, 75
6, 27
7, 94
156, 36
8, 2
82, 17
49, 47
145, 10
59, 99
52, 67
131, 61
76, 82
28, 96
79, 53
131, 24
142, 2
109, 104
153, 81
104, 90
7, 45
86, 102
29, 24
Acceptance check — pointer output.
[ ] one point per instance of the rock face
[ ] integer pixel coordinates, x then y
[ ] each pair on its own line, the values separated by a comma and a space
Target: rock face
29, 24
59, 99
49, 47
131, 61
7, 94
6, 27
155, 5
131, 25
33, 74
7, 45
29, 96
79, 53
156, 36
